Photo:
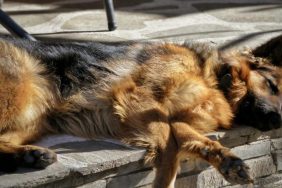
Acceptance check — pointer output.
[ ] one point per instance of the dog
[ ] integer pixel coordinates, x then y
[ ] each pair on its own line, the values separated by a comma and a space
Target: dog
157, 96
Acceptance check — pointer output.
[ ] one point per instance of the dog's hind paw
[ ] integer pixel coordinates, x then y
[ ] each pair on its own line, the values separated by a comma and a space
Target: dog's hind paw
8, 162
27, 156
38, 157
235, 170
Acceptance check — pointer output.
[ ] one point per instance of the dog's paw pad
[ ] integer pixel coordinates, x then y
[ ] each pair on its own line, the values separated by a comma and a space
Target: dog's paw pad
39, 158
235, 170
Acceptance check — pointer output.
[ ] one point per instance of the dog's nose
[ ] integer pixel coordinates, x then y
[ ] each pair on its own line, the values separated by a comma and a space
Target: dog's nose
274, 119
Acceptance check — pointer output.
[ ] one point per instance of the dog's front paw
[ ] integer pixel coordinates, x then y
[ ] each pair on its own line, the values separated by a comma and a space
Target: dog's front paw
38, 157
235, 170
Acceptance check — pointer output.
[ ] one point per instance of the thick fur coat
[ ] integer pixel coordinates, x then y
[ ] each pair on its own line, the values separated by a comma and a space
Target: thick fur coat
161, 97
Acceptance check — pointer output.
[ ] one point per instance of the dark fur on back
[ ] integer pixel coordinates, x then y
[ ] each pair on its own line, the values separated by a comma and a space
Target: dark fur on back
70, 62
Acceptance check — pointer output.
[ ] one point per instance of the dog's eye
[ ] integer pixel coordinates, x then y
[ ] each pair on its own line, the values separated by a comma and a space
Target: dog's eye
274, 89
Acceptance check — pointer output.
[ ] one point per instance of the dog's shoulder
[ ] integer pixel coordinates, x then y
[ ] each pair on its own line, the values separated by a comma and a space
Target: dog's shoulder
203, 49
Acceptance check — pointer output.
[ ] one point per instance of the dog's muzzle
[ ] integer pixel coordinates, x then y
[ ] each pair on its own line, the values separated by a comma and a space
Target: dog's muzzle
259, 113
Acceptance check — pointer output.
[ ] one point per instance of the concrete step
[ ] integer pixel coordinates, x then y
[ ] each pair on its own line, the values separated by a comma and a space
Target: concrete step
109, 163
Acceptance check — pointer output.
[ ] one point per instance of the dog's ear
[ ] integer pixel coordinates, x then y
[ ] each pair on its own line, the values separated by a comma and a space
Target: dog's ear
233, 66
271, 50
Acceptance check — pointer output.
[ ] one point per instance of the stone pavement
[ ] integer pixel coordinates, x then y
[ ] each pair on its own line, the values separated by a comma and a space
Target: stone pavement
84, 163
109, 164
177, 20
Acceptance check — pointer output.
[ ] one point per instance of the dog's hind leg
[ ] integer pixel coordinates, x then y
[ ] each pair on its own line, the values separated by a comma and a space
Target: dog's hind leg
144, 123
26, 95
166, 164
192, 143
161, 147
14, 154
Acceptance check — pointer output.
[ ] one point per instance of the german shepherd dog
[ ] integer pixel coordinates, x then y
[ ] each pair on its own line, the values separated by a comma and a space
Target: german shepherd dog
161, 97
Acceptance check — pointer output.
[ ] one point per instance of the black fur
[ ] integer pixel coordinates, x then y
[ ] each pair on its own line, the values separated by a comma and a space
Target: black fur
71, 62
258, 113
271, 50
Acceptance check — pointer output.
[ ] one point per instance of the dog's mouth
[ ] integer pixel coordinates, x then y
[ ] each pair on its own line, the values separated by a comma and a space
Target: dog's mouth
258, 113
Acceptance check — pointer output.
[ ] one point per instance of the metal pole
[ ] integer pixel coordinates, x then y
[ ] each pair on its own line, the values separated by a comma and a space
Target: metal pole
109, 6
13, 27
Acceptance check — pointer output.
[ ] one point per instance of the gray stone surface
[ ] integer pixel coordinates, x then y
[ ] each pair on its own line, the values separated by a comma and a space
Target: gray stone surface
76, 159
95, 156
32, 178
132, 180
272, 181
276, 144
260, 167
96, 184
194, 32
239, 135
278, 159
209, 20
253, 150
82, 162
231, 142
125, 21
242, 12
269, 134
248, 151
236, 132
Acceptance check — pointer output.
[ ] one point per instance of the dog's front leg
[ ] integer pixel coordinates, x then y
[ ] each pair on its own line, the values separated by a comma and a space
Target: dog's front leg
192, 143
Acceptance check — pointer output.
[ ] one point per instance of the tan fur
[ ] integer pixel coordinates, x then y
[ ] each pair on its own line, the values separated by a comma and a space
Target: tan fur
24, 94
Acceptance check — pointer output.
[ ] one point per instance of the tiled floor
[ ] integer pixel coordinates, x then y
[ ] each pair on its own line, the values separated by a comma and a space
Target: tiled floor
177, 20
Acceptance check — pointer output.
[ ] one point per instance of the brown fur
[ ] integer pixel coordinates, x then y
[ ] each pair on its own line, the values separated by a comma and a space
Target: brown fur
163, 105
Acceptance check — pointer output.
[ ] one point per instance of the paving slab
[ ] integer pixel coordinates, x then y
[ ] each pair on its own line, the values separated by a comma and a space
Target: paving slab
177, 20
95, 156
260, 167
80, 160
33, 178
276, 144
76, 157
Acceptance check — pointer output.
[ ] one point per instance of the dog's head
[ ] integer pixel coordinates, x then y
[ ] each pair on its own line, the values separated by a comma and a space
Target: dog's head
253, 87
